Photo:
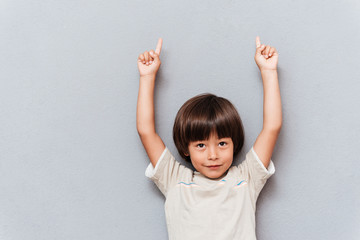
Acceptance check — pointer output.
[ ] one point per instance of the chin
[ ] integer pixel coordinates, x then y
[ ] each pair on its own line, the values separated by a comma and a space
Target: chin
213, 175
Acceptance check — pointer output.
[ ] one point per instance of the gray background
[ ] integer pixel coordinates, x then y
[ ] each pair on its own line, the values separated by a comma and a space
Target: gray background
71, 163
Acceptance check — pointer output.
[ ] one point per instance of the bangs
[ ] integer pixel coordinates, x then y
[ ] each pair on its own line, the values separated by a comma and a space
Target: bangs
207, 120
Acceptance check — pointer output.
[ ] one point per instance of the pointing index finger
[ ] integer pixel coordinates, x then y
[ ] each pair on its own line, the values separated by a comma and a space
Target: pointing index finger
158, 46
258, 41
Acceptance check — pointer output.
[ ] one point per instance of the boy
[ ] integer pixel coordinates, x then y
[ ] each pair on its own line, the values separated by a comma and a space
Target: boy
217, 201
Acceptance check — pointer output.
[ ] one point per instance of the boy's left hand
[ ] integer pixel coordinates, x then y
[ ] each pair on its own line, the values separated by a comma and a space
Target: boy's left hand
266, 57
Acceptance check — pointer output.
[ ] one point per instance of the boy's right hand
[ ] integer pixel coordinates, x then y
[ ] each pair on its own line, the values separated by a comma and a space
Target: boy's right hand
149, 62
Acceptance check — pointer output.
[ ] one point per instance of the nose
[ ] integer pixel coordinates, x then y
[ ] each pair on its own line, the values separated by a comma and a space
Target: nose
212, 155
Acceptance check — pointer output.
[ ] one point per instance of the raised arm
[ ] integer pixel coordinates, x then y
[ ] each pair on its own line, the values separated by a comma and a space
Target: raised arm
266, 58
148, 64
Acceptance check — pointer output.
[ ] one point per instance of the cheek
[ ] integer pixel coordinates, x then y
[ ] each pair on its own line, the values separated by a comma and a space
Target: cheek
230, 156
196, 158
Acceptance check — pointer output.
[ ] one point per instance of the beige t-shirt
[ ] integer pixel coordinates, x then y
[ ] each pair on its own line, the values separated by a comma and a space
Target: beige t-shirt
197, 207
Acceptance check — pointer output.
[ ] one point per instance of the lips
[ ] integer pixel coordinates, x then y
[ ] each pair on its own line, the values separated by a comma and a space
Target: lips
214, 166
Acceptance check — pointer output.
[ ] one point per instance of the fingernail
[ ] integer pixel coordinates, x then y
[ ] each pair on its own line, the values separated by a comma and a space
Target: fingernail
151, 62
151, 53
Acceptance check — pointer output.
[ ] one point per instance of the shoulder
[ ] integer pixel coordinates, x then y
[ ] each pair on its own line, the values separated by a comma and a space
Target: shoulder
167, 172
166, 162
253, 165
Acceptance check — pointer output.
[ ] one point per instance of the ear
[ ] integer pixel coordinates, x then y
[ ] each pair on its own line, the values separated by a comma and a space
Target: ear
186, 154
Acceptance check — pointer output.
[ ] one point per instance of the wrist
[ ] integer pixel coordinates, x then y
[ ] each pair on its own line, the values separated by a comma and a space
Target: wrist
268, 70
268, 73
151, 76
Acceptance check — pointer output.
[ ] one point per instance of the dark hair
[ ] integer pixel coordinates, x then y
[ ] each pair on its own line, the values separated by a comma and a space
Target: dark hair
202, 115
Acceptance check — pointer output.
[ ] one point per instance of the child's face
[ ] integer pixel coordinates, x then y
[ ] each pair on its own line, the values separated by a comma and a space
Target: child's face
212, 157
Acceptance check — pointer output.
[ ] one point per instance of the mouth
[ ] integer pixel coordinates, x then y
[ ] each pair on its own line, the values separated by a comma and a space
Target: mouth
214, 166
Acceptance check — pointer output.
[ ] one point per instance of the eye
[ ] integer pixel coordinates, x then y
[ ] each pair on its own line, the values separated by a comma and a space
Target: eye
200, 145
222, 144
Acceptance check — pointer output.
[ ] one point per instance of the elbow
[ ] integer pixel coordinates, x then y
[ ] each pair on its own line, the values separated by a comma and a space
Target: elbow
147, 136
141, 128
140, 132
278, 126
143, 132
274, 125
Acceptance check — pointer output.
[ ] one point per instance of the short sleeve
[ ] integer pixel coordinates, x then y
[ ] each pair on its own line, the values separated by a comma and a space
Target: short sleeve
254, 169
167, 172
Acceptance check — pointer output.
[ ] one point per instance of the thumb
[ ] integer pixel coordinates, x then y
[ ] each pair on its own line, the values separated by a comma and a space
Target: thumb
154, 55
260, 49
